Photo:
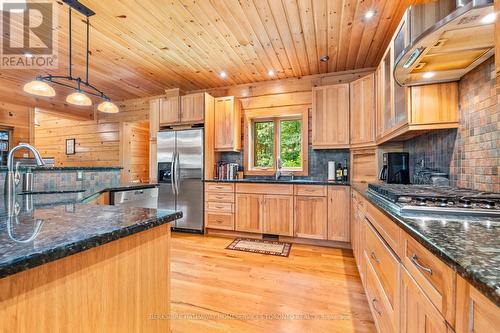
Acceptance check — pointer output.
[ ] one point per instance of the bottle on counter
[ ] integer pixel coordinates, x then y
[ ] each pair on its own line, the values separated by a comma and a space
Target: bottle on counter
345, 173
339, 173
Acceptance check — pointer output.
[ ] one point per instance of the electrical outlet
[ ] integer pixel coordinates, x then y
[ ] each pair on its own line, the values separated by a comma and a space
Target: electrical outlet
79, 175
26, 155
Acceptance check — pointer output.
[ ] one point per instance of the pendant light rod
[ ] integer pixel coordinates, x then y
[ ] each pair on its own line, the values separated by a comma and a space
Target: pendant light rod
70, 46
87, 54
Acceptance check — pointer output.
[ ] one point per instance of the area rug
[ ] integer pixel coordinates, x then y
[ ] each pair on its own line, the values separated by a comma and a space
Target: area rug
273, 248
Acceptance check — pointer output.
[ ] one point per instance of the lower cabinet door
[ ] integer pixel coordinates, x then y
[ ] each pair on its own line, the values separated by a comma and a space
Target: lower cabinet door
249, 212
418, 314
278, 215
338, 213
475, 312
311, 217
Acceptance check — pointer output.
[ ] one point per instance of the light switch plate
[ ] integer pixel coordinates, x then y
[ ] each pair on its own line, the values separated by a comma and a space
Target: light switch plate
79, 175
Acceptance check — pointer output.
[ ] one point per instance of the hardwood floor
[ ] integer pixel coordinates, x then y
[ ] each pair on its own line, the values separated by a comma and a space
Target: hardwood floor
211, 284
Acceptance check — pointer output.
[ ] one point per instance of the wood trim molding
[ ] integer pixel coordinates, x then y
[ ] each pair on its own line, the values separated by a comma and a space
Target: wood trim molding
273, 113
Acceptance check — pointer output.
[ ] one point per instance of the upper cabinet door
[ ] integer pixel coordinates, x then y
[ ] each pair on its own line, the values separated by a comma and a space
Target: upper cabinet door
169, 110
193, 108
330, 117
400, 100
227, 124
363, 111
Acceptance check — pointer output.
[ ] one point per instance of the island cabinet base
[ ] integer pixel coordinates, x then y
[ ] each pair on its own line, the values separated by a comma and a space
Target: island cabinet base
121, 286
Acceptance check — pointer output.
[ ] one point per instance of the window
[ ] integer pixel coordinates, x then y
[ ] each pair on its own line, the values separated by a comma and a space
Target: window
283, 136
263, 144
291, 143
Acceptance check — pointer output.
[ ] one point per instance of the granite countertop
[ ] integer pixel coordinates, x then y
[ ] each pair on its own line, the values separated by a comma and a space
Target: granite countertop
470, 246
285, 180
54, 225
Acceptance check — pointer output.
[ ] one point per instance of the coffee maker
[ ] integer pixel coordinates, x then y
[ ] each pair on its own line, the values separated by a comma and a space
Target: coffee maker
395, 168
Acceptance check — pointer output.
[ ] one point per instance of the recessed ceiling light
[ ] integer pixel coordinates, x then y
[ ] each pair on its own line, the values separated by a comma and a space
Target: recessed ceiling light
428, 75
369, 14
324, 58
28, 55
490, 18
223, 74
270, 73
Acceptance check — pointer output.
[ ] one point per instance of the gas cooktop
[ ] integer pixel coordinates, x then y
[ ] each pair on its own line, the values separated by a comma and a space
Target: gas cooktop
434, 199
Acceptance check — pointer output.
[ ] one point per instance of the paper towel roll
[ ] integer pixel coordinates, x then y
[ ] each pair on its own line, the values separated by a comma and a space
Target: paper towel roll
331, 170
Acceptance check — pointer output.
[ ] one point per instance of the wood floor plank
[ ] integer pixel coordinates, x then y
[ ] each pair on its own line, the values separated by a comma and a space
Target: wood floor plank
315, 289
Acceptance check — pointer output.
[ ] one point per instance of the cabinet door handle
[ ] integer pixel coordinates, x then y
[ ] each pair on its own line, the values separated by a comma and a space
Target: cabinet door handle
375, 301
374, 257
414, 260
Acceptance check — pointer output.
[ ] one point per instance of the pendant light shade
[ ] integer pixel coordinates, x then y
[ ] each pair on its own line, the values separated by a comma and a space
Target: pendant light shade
79, 98
39, 88
108, 107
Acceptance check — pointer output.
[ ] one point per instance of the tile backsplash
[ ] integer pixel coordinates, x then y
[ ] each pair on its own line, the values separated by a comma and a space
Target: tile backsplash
471, 153
62, 179
318, 160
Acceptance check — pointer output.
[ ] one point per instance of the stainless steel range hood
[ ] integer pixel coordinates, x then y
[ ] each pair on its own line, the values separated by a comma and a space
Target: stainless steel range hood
450, 48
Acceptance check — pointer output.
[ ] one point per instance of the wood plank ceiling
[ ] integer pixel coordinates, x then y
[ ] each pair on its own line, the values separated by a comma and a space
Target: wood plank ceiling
140, 47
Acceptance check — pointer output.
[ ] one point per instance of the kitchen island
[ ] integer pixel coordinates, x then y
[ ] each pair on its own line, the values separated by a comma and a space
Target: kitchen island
78, 267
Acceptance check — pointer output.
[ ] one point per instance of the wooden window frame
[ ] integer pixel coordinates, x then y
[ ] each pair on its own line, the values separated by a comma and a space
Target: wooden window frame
276, 115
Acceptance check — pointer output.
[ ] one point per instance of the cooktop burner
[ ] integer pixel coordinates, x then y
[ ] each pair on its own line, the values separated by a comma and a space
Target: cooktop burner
428, 198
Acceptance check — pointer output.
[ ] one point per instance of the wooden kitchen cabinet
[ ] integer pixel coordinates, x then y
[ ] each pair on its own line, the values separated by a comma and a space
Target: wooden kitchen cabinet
362, 111
249, 212
338, 213
311, 217
169, 110
192, 108
278, 215
475, 313
219, 206
418, 315
405, 112
227, 124
154, 118
330, 116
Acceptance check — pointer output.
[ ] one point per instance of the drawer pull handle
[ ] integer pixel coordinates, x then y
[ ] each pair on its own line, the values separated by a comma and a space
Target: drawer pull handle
219, 221
414, 260
374, 301
374, 257
219, 207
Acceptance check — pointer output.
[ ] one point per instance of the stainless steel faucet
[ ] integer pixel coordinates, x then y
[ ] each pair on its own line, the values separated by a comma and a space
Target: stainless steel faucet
277, 175
13, 176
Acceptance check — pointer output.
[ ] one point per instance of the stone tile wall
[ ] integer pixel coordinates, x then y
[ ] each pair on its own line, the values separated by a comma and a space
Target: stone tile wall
471, 153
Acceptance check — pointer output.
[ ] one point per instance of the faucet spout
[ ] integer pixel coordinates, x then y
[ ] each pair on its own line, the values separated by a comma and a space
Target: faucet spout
36, 154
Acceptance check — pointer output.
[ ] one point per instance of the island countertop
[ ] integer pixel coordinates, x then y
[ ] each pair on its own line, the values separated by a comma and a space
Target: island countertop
470, 246
52, 226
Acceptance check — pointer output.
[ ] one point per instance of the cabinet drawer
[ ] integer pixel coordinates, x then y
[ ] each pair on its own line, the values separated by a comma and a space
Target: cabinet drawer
219, 207
384, 264
219, 197
219, 187
384, 226
310, 190
224, 221
283, 189
385, 318
434, 277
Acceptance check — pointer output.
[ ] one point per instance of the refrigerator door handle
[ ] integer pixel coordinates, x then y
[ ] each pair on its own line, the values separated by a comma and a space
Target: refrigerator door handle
172, 174
177, 173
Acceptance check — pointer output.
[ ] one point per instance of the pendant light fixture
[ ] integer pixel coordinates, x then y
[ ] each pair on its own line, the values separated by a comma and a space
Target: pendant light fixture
41, 87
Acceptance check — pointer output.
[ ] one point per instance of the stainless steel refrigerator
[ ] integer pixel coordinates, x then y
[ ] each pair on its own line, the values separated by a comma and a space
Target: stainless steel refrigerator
180, 175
